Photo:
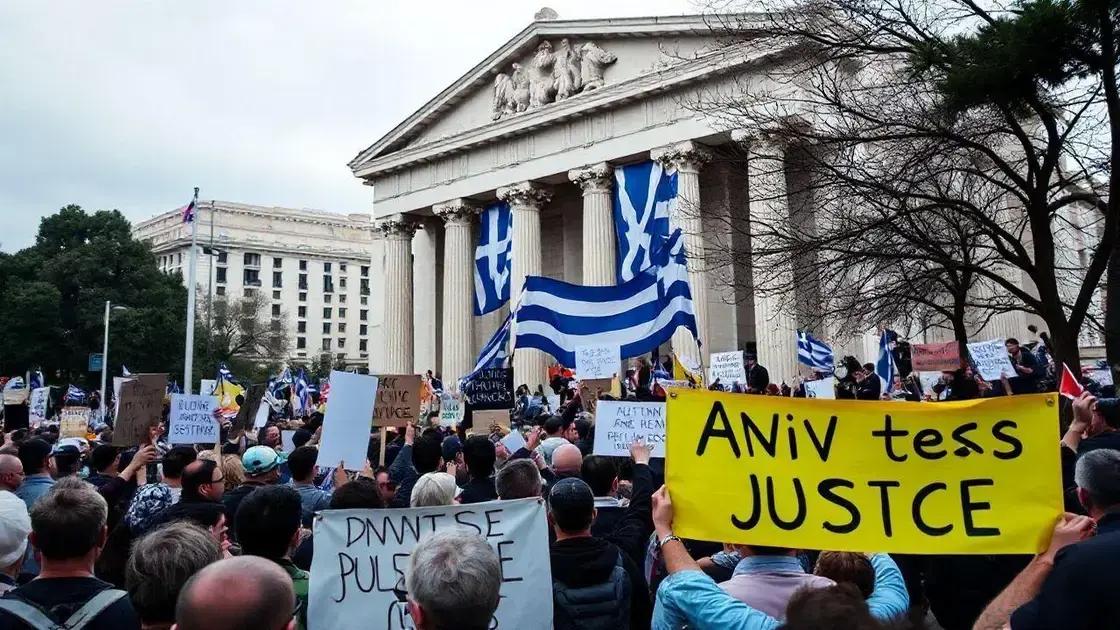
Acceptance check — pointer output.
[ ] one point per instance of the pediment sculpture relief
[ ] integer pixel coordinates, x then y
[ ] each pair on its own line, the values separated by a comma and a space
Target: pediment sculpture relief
554, 74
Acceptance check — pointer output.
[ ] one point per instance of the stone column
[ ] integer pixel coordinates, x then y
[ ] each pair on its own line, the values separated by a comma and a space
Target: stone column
686, 158
458, 288
775, 324
525, 201
396, 234
598, 224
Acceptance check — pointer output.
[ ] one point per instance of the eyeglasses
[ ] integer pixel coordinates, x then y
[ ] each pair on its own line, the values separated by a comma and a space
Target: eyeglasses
218, 480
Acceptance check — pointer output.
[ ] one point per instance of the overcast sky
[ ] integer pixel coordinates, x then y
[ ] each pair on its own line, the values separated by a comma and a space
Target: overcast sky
128, 105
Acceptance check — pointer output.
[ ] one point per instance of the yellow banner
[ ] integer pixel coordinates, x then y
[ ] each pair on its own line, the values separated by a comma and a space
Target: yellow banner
972, 477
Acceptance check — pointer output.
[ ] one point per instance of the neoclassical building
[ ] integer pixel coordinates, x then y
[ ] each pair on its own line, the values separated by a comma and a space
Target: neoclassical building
540, 124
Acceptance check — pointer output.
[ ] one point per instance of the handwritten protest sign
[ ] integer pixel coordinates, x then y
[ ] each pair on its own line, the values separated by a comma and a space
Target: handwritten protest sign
591, 389
37, 406
483, 420
140, 407
514, 441
728, 368
345, 435
618, 424
971, 477
398, 400
450, 410
991, 359
597, 361
191, 420
821, 388
491, 389
73, 421
361, 555
935, 356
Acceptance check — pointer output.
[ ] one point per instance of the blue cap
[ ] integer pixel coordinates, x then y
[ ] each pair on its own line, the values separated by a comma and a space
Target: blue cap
259, 460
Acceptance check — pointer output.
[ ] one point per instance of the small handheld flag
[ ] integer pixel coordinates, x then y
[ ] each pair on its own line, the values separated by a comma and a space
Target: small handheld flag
1069, 387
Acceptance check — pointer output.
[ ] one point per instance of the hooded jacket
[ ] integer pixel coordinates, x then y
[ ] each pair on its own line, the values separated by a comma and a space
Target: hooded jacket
586, 586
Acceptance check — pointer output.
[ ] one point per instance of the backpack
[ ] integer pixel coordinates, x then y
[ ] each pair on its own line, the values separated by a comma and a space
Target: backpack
34, 616
604, 606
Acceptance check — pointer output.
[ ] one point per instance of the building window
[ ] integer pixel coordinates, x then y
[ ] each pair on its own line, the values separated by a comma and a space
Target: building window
326, 344
179, 258
276, 295
220, 290
362, 345
302, 311
277, 279
342, 312
248, 292
251, 277
223, 257
326, 299
220, 275
326, 267
301, 342
363, 330
342, 298
342, 282
302, 297
301, 327
252, 260
303, 265
363, 314
365, 286
276, 310
342, 267
328, 284
365, 271
364, 300
277, 263
326, 313
302, 282
326, 328
342, 327
341, 342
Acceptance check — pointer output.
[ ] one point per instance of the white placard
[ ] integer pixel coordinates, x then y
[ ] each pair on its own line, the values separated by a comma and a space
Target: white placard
450, 409
347, 422
286, 443
553, 402
597, 361
992, 360
728, 368
1103, 377
117, 382
618, 424
821, 388
261, 418
206, 386
360, 555
514, 441
37, 406
928, 379
191, 420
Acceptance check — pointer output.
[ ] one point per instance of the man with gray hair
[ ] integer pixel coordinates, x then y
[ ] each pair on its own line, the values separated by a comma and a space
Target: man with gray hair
241, 592
1068, 585
161, 563
453, 582
518, 479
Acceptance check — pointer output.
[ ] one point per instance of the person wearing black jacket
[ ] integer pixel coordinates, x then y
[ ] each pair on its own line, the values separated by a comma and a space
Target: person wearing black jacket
627, 527
595, 585
479, 456
868, 386
416, 457
758, 377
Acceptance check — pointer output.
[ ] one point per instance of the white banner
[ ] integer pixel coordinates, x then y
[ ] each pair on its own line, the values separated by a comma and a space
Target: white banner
618, 424
37, 406
992, 360
191, 420
361, 555
728, 368
821, 388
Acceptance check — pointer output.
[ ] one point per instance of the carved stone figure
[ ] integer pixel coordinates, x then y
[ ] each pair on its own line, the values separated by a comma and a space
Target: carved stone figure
542, 86
566, 70
520, 79
503, 96
592, 62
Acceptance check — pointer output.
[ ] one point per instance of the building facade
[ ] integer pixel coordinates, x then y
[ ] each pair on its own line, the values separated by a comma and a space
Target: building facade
312, 266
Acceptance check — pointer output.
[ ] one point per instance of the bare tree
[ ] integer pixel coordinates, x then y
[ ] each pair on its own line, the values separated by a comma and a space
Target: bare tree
243, 331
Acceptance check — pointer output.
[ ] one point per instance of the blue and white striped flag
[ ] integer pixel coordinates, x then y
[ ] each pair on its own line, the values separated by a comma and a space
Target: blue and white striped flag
302, 392
74, 395
814, 353
885, 368
492, 258
494, 353
36, 380
124, 370
638, 316
644, 195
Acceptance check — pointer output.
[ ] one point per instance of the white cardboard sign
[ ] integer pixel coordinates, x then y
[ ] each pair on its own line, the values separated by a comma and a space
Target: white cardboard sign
618, 424
992, 360
728, 367
286, 443
361, 555
347, 422
597, 361
191, 420
821, 388
37, 406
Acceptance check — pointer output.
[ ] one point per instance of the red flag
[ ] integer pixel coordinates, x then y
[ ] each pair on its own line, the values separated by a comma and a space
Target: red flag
1069, 387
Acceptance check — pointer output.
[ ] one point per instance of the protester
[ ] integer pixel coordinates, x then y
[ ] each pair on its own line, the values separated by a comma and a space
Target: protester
154, 498
11, 473
232, 470
454, 581
627, 526
68, 528
262, 468
567, 461
758, 377
201, 499
595, 584
837, 606
1027, 371
554, 429
416, 457
104, 463
268, 525
237, 593
478, 455
585, 435
767, 577
66, 460
434, 488
519, 479
846, 567
34, 455
452, 449
385, 486
160, 564
301, 463
15, 525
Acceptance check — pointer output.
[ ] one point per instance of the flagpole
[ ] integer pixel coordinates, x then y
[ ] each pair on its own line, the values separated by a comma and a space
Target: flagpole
188, 352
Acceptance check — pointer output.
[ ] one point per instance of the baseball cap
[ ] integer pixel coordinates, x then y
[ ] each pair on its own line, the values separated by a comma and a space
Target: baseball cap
452, 446
571, 496
258, 460
15, 525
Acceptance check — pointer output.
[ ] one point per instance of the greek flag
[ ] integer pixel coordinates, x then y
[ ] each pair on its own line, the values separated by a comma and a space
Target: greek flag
74, 395
885, 368
644, 195
36, 380
493, 354
638, 316
814, 353
492, 259
302, 391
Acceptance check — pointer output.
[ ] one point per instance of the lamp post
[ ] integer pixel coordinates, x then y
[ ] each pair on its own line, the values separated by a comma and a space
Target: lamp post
105, 352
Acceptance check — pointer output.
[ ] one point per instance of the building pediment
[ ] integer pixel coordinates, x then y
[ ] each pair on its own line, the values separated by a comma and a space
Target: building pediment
551, 71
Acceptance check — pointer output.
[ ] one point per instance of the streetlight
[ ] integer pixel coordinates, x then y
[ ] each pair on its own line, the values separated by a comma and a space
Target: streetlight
105, 352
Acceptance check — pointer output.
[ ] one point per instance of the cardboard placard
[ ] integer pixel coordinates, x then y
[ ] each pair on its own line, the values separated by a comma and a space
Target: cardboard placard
37, 407
398, 400
591, 389
598, 361
483, 420
450, 410
140, 407
247, 412
492, 389
191, 420
73, 422
935, 356
286, 443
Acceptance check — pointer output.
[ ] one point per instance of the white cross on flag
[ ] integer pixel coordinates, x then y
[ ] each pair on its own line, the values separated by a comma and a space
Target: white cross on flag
492, 259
